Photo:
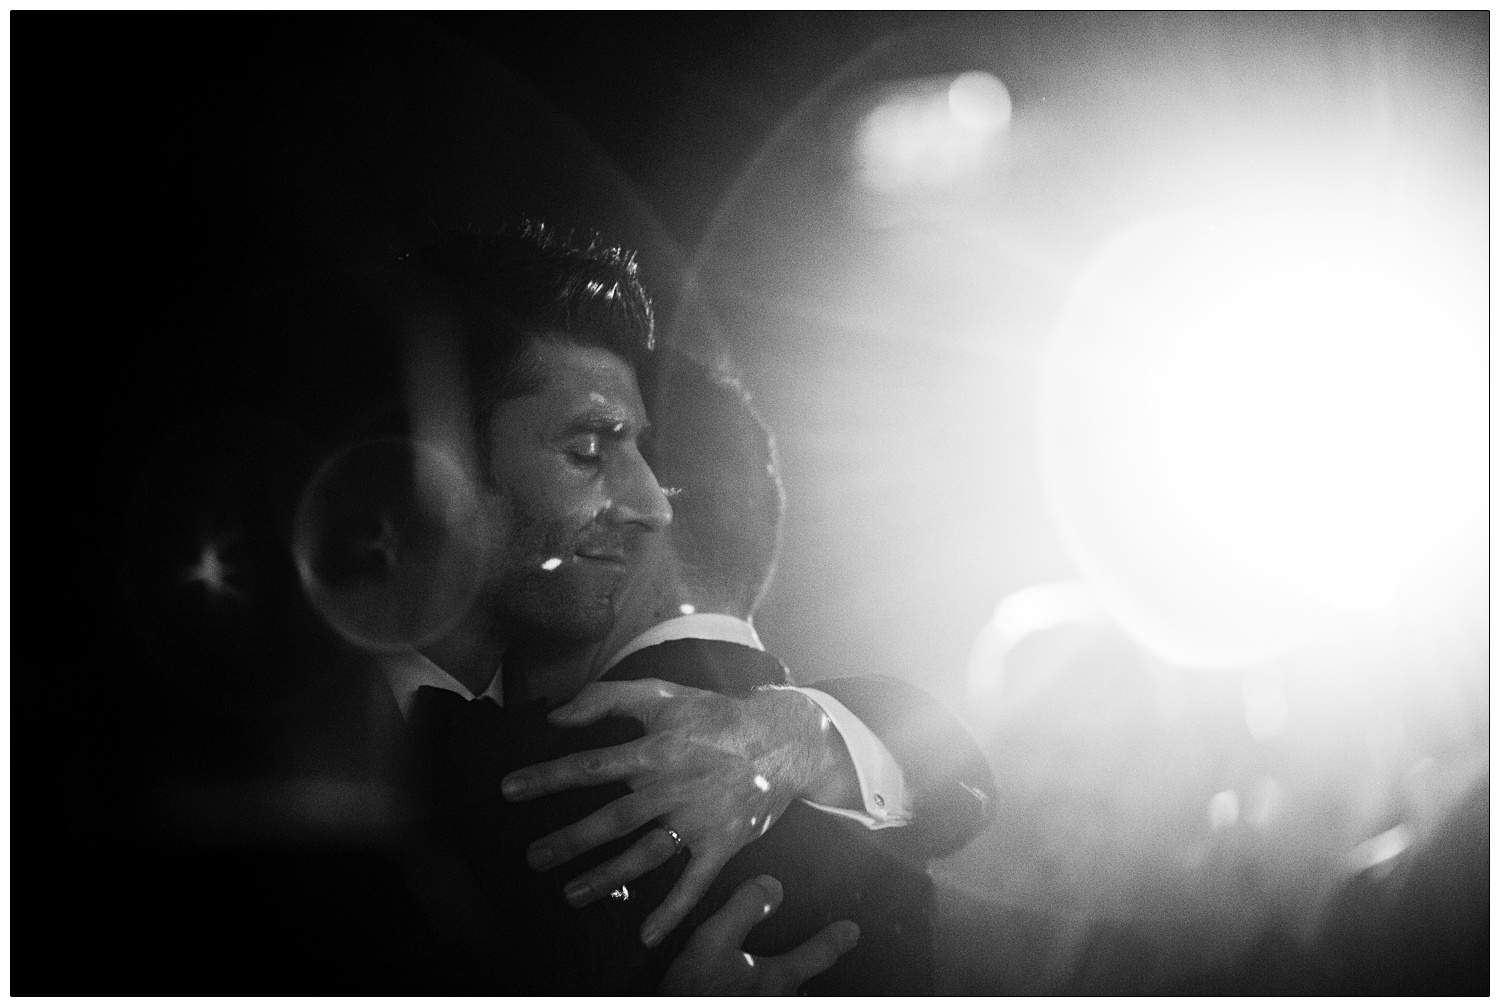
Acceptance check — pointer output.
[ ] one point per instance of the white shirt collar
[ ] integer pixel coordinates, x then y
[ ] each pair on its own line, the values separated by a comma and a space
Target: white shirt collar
698, 626
407, 671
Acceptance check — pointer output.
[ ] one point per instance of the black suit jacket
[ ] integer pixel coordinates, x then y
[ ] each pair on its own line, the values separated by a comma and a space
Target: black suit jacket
830, 868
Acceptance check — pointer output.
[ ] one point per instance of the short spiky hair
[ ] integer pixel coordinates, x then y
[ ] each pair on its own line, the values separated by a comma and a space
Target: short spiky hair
515, 285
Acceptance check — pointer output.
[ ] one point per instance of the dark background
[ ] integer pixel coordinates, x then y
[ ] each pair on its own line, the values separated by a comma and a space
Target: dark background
174, 182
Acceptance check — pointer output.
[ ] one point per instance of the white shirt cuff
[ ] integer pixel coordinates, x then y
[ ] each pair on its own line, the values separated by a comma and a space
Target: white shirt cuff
887, 803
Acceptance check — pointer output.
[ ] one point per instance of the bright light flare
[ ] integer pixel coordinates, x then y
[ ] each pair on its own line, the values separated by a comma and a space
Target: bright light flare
212, 572
978, 101
1223, 810
1380, 850
1252, 421
1301, 420
927, 132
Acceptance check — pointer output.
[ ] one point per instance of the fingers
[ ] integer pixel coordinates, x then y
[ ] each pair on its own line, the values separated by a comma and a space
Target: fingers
599, 699
817, 953
651, 850
751, 902
582, 769
699, 874
615, 819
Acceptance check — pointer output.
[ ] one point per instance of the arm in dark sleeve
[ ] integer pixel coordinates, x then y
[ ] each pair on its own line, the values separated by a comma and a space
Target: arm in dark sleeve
947, 775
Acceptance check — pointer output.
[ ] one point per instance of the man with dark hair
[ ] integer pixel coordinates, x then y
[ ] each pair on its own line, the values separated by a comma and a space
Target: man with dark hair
548, 334
551, 336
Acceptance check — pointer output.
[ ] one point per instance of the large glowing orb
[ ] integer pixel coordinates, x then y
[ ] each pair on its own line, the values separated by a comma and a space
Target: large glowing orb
1253, 424
389, 542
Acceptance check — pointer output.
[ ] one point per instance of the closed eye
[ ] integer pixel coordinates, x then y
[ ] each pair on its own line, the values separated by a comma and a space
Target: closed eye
583, 447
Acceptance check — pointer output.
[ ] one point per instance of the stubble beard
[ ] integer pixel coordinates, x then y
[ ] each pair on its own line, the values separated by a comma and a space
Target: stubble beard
566, 603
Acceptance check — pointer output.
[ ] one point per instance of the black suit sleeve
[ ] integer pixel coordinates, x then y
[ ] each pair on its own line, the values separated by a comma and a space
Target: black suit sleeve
948, 776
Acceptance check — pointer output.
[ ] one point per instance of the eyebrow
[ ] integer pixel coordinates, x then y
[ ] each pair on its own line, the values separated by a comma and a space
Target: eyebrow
603, 420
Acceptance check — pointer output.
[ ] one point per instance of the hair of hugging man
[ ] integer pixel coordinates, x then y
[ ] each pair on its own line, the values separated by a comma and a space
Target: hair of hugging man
718, 462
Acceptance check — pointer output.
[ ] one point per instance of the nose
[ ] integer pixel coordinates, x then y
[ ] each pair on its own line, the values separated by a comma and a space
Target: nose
636, 497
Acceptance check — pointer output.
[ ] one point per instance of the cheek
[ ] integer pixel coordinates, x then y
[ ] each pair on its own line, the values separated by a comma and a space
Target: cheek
497, 524
556, 499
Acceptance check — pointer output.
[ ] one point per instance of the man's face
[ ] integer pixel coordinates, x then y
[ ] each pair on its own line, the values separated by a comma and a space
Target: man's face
571, 492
